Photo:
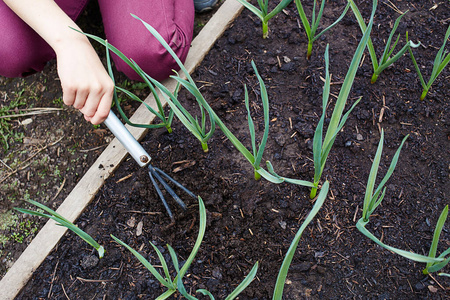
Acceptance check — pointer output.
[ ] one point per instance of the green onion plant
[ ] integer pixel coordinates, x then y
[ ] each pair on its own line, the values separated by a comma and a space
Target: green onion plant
176, 284
373, 199
321, 148
61, 221
166, 120
441, 61
196, 127
263, 12
432, 267
311, 28
255, 157
282, 274
385, 60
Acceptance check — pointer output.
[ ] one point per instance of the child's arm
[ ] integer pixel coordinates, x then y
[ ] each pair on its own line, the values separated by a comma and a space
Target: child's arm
86, 84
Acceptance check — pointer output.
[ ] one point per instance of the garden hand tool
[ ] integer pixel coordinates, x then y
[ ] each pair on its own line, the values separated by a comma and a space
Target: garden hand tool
143, 159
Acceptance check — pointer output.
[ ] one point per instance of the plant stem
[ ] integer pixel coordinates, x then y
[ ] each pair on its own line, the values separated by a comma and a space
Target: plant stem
374, 78
169, 129
205, 147
257, 176
308, 54
424, 93
313, 193
265, 29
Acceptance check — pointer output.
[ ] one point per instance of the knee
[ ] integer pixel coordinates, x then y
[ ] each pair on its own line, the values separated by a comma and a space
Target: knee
152, 57
19, 59
21, 63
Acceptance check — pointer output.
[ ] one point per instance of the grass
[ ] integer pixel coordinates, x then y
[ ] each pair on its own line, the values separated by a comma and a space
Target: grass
8, 134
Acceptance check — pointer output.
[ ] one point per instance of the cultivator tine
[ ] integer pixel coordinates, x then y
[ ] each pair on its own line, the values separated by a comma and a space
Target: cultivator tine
153, 172
161, 196
176, 183
143, 159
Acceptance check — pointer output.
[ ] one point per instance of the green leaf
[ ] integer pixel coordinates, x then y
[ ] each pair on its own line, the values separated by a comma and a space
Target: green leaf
60, 220
275, 178
166, 294
410, 255
201, 234
251, 126
277, 9
437, 233
247, 280
348, 81
206, 293
265, 101
282, 274
163, 262
182, 289
363, 27
252, 8
147, 264
334, 23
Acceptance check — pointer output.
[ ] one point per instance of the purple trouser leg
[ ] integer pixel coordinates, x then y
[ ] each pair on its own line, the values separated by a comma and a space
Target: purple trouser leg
22, 50
173, 19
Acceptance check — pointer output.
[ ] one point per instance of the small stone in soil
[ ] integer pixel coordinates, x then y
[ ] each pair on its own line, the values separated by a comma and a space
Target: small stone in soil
89, 261
131, 222
139, 227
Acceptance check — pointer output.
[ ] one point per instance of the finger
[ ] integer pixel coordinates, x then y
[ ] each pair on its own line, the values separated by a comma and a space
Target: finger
69, 95
80, 98
91, 104
103, 109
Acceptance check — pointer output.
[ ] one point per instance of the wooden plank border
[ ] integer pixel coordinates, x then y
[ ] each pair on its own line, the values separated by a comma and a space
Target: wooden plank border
83, 193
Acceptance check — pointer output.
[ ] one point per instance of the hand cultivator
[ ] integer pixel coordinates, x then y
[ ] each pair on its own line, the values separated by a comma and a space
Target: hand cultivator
143, 159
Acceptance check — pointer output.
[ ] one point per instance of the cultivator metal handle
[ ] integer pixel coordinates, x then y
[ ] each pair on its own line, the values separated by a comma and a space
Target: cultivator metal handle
143, 159
127, 140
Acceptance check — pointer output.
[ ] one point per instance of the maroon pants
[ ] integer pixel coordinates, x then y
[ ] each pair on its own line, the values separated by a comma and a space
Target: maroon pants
23, 51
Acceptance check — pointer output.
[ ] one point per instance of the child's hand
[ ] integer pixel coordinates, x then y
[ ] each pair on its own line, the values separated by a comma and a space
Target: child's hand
85, 83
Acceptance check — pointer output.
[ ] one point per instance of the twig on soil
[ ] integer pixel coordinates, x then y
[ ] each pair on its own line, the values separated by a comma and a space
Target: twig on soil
59, 189
356, 213
53, 279
92, 149
6, 165
95, 280
64, 290
144, 212
395, 8
33, 112
124, 178
436, 282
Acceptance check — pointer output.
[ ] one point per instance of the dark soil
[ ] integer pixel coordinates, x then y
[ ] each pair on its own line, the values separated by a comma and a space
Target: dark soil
250, 221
